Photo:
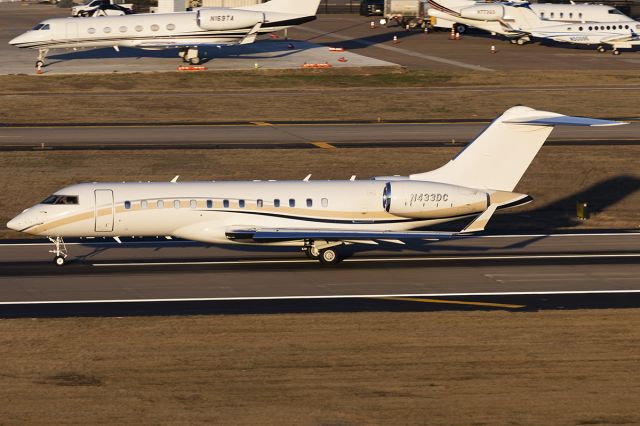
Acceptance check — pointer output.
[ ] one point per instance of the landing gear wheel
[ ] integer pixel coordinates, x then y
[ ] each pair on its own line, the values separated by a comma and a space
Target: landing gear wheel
329, 257
513, 41
312, 253
59, 260
601, 49
194, 61
461, 28
616, 52
39, 64
520, 42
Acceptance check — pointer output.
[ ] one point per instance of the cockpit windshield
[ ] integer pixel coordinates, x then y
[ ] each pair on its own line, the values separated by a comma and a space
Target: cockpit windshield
61, 199
615, 12
41, 27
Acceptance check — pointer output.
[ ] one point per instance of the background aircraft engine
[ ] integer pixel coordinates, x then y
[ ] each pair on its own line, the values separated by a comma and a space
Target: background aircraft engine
430, 200
227, 19
489, 12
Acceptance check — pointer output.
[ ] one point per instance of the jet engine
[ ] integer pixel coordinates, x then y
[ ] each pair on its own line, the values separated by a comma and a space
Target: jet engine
430, 200
227, 19
488, 12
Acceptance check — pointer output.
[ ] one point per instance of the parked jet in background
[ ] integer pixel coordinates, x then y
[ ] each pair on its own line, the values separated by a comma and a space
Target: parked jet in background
186, 31
318, 216
515, 20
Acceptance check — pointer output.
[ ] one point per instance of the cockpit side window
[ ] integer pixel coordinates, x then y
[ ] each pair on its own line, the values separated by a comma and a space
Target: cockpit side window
41, 27
61, 200
45, 27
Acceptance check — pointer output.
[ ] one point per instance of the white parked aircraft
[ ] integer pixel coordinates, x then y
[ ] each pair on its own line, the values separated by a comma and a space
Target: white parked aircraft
518, 20
315, 215
186, 31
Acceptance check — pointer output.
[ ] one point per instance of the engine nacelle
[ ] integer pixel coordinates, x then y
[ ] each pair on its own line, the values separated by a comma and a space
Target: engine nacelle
488, 12
430, 200
227, 19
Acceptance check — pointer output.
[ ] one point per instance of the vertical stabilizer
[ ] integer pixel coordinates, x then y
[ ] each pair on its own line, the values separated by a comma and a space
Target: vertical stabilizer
500, 155
293, 7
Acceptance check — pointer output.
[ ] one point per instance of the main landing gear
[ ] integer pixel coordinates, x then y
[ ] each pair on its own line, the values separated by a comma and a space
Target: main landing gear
190, 55
59, 251
326, 253
602, 49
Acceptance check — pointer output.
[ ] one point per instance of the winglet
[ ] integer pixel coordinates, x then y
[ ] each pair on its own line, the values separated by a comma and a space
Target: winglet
252, 34
481, 221
175, 179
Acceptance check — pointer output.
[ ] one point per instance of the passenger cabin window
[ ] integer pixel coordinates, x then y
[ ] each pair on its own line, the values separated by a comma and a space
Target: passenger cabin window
127, 205
160, 204
551, 14
107, 30
176, 204
309, 202
171, 27
570, 15
209, 204
241, 204
61, 200
139, 28
123, 29
193, 204
276, 203
324, 202
144, 204
91, 30
225, 204
155, 27
580, 15
292, 202
561, 14
259, 203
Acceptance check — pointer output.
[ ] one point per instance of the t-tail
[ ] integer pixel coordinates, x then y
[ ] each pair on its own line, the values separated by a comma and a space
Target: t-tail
293, 7
501, 154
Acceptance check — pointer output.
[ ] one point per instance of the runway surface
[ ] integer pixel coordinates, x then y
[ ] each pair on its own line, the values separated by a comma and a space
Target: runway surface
156, 277
267, 135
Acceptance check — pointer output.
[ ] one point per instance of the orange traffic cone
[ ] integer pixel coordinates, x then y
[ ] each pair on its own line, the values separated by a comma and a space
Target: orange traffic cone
395, 39
493, 49
373, 25
453, 34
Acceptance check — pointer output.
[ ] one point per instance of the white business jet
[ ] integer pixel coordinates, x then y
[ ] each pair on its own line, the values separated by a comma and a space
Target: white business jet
318, 216
516, 20
186, 31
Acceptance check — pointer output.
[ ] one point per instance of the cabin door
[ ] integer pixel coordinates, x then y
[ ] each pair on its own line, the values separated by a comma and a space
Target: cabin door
104, 210
72, 30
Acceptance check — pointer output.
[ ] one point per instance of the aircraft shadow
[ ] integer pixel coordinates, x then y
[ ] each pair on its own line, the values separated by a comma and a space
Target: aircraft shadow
259, 50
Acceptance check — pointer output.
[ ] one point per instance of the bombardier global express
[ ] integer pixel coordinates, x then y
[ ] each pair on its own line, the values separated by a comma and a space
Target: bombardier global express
318, 216
186, 31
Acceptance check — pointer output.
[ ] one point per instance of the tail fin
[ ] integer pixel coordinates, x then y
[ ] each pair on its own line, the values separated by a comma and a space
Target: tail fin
293, 7
500, 155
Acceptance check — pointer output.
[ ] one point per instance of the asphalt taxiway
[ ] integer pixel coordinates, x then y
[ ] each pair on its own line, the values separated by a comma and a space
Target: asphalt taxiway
273, 135
156, 277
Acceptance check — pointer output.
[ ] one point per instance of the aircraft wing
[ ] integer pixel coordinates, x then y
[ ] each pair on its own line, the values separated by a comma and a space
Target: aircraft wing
157, 44
292, 234
627, 40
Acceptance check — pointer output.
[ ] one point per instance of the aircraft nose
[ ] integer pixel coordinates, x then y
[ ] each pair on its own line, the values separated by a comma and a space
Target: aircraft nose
15, 223
18, 40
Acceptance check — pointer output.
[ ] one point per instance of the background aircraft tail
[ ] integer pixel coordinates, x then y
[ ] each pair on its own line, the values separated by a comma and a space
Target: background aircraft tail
500, 155
293, 7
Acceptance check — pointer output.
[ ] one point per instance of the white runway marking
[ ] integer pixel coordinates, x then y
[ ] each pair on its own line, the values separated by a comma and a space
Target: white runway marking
372, 260
345, 296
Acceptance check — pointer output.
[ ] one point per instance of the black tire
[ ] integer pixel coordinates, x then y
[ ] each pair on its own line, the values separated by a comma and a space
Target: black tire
39, 64
329, 257
194, 61
309, 253
461, 28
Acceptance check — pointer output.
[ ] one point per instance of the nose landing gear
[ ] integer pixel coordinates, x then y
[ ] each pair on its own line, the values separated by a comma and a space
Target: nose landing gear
42, 54
59, 251
190, 55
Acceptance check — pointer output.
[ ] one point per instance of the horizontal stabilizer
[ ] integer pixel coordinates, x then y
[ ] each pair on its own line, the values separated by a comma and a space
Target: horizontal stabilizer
481, 221
564, 120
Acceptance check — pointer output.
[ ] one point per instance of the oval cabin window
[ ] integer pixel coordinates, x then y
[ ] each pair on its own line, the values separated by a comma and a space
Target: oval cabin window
155, 27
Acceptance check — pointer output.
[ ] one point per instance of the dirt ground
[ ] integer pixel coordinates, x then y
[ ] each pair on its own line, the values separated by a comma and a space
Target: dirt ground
574, 368
560, 176
220, 97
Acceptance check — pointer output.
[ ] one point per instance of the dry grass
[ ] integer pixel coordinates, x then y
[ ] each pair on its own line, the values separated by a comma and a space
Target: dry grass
576, 367
554, 178
249, 96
